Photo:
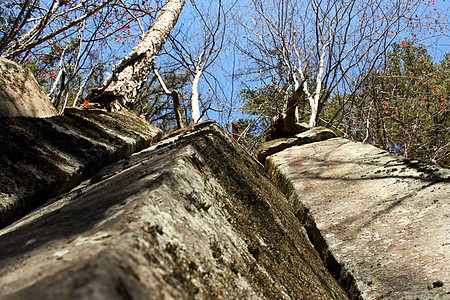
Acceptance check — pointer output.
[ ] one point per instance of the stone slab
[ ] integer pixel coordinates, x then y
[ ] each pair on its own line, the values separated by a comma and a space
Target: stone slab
309, 136
20, 94
381, 223
43, 157
193, 217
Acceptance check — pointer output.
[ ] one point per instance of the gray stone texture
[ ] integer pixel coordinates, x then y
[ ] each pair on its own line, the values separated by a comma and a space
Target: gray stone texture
41, 158
380, 223
193, 217
274, 146
20, 94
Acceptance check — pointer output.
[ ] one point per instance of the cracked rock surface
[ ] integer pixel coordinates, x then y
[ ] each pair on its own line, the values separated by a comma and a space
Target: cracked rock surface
193, 217
381, 223
41, 158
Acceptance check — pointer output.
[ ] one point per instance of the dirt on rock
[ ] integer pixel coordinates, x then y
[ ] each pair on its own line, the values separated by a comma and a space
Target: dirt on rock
192, 217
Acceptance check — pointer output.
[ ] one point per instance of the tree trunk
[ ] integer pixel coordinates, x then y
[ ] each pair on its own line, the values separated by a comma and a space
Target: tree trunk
175, 97
286, 124
195, 97
314, 115
177, 109
235, 132
133, 71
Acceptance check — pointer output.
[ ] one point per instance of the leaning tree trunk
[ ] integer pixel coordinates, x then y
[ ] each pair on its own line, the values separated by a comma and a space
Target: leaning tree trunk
133, 71
175, 97
286, 125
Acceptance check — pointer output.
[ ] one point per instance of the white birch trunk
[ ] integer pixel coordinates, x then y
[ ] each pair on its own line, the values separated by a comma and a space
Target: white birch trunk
315, 101
195, 105
133, 71
314, 116
61, 70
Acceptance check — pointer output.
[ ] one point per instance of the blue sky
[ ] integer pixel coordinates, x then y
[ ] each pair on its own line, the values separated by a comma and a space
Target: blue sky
222, 79
232, 61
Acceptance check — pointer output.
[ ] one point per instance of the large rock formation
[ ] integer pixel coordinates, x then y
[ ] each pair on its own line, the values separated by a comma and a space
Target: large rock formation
20, 94
42, 158
193, 217
381, 223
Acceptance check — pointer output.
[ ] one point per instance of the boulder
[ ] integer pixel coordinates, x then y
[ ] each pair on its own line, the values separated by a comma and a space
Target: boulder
41, 158
20, 94
193, 217
274, 146
380, 222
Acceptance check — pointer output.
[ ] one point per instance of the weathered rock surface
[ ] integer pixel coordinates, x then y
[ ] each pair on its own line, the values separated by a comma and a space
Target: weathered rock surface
384, 222
313, 135
20, 94
193, 217
42, 158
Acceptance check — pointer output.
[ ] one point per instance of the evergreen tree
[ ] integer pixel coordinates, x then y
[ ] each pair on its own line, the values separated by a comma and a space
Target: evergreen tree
402, 108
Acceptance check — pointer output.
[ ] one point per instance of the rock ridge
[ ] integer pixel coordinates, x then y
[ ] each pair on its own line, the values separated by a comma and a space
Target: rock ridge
20, 93
312, 135
192, 217
43, 157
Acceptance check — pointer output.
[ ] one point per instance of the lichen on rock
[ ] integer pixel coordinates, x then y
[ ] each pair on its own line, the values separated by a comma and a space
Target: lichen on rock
42, 158
193, 217
379, 222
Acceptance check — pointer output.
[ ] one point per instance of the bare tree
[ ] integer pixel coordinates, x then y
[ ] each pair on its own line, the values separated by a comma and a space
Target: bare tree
70, 44
11, 48
196, 50
322, 45
175, 98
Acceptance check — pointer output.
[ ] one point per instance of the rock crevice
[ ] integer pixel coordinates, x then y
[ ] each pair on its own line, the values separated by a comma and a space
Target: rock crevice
380, 222
192, 217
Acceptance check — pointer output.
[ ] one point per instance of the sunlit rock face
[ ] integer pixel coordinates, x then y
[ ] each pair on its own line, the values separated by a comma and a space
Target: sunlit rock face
192, 217
381, 223
20, 94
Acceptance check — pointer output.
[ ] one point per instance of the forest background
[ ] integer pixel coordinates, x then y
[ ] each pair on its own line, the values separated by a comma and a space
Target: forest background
377, 72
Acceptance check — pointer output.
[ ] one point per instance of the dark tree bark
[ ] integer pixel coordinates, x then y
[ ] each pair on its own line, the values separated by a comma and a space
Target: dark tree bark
286, 124
235, 132
177, 108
